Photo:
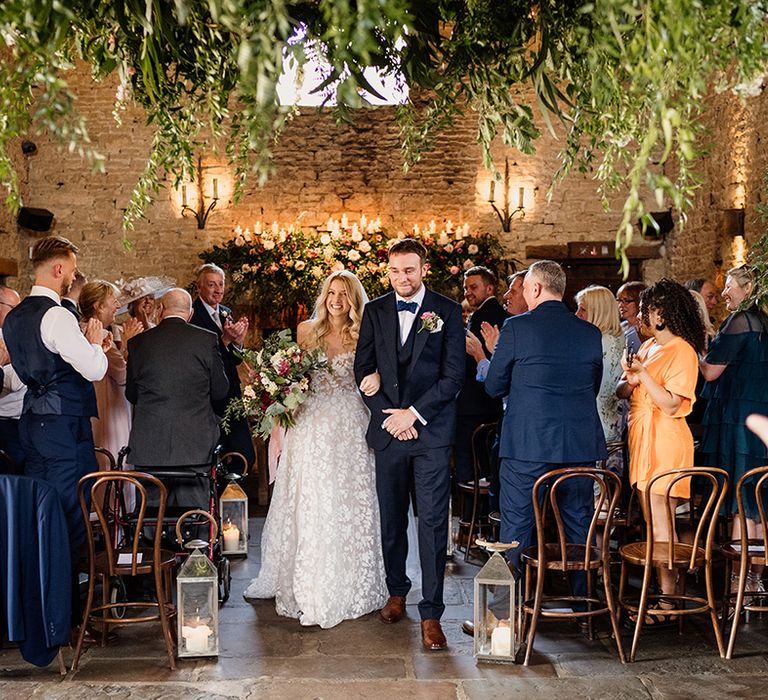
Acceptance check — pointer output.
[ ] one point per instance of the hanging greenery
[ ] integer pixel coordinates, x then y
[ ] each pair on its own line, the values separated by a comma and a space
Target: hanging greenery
623, 82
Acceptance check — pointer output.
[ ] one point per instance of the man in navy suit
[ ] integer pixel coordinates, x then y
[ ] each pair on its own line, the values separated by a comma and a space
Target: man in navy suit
550, 363
414, 338
208, 312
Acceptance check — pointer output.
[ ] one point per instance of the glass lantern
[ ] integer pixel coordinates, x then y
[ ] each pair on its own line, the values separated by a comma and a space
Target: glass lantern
233, 506
498, 583
197, 599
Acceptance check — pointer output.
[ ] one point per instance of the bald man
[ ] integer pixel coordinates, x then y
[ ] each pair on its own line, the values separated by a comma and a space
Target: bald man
174, 374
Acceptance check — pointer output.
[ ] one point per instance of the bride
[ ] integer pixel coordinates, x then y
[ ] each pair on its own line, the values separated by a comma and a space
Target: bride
321, 546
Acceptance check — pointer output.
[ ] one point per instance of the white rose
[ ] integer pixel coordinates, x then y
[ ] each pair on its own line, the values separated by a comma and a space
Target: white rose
269, 244
239, 241
357, 236
325, 239
300, 265
448, 248
364, 247
468, 263
353, 255
473, 249
245, 268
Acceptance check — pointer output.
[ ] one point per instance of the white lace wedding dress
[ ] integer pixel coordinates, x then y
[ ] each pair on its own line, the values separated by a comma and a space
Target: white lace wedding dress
321, 546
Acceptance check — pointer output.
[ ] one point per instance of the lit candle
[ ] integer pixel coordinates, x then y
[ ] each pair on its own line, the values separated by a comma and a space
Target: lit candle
432, 227
344, 221
521, 194
257, 228
501, 641
466, 230
492, 191
215, 188
329, 224
196, 638
231, 538
363, 221
183, 195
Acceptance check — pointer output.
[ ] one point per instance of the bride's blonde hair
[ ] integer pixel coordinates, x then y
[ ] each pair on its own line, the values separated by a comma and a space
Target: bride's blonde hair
321, 325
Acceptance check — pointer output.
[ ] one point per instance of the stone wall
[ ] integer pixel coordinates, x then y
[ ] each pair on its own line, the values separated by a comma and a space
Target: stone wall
323, 169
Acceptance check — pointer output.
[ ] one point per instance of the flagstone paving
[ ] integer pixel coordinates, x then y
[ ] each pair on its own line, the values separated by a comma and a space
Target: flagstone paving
265, 656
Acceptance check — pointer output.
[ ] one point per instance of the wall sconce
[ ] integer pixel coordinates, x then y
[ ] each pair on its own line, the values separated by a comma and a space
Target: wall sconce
504, 214
733, 222
202, 212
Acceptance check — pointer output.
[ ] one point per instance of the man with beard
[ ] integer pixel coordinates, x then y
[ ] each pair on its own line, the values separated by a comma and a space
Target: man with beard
58, 362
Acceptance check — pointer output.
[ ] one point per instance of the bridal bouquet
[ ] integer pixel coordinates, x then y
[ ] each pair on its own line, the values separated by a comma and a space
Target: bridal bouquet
279, 383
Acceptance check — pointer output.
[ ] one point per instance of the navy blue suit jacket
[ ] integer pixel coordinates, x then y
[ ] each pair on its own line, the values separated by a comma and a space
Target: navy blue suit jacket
435, 374
550, 363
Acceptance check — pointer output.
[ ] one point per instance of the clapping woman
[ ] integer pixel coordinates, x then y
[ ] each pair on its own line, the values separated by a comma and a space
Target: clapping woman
660, 382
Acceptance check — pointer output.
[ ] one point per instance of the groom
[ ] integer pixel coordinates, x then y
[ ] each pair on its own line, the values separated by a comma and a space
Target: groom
414, 338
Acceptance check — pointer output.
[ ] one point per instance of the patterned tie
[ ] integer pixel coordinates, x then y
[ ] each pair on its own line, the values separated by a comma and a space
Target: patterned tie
407, 306
216, 318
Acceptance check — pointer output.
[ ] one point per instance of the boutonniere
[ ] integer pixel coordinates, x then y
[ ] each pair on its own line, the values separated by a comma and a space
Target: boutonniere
223, 314
431, 322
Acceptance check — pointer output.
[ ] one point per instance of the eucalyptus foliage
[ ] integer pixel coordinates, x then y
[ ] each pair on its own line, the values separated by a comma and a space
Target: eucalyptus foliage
622, 82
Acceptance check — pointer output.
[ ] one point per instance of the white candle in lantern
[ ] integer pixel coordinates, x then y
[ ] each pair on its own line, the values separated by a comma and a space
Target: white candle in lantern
501, 641
196, 638
432, 227
231, 538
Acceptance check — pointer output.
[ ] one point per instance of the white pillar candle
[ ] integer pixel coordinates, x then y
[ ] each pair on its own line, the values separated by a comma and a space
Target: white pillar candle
231, 538
501, 641
196, 638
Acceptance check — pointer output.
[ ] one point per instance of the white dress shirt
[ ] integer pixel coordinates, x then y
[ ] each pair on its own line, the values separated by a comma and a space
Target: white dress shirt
406, 318
12, 392
61, 335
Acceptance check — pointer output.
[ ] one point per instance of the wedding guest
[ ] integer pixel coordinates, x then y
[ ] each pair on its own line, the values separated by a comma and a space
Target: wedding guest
138, 296
708, 292
208, 312
58, 362
660, 382
474, 406
514, 301
174, 374
531, 364
321, 544
627, 298
112, 426
71, 301
12, 395
597, 306
736, 370
695, 417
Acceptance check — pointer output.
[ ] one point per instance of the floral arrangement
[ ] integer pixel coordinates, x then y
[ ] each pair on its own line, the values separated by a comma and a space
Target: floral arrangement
274, 268
278, 385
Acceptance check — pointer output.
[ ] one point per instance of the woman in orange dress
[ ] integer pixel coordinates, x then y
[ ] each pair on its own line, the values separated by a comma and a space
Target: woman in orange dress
660, 382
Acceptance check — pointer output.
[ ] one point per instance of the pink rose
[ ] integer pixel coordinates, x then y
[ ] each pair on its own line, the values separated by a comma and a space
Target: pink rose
453, 269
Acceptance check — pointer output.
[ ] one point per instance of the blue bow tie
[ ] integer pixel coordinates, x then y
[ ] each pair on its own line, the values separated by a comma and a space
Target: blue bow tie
411, 306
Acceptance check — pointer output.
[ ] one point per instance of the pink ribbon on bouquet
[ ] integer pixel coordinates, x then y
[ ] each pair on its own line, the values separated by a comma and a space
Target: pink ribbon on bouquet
274, 449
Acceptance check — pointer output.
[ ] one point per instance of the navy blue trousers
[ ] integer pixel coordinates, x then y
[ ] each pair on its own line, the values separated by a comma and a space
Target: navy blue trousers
575, 499
431, 475
59, 450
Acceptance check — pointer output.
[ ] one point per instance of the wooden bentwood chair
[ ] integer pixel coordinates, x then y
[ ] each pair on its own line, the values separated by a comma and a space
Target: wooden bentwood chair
746, 551
570, 557
154, 561
675, 556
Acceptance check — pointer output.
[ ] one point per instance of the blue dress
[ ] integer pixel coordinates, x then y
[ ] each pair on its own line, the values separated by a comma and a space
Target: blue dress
742, 388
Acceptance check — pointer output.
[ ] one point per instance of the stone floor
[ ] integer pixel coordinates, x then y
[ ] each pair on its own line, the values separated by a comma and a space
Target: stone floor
265, 656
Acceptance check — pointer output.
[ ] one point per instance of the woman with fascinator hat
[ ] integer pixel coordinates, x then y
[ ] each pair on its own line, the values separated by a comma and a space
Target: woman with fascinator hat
138, 296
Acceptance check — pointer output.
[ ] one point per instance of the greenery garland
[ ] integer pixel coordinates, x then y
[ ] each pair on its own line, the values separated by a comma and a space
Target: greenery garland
626, 79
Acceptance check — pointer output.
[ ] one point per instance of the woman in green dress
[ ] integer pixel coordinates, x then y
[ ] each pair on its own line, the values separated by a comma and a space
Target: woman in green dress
736, 370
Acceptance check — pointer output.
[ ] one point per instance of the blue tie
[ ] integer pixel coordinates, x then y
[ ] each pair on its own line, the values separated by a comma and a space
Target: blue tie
411, 306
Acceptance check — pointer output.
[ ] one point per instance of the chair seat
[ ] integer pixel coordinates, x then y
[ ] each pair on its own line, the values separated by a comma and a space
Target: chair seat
574, 554
681, 555
167, 561
755, 551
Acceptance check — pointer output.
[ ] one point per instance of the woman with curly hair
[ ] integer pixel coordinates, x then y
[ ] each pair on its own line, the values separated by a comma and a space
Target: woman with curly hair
660, 382
321, 545
736, 370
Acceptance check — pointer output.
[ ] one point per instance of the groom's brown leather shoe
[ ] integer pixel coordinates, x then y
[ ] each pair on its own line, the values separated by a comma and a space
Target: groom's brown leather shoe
394, 610
468, 628
432, 636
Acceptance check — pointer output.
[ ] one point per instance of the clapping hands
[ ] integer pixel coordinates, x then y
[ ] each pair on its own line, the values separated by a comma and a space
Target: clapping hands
234, 331
490, 335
